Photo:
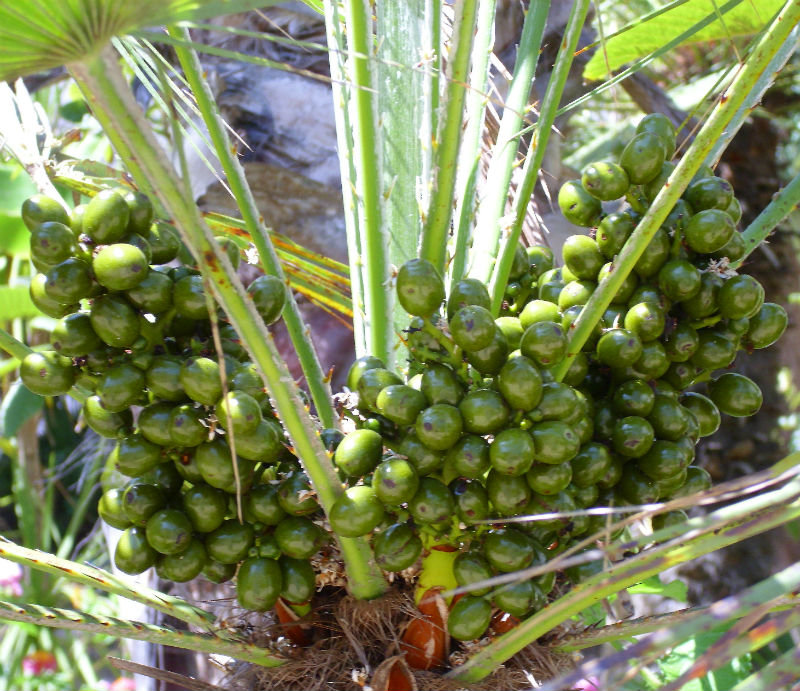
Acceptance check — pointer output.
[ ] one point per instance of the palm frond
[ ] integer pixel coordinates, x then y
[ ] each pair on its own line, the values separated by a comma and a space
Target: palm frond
38, 35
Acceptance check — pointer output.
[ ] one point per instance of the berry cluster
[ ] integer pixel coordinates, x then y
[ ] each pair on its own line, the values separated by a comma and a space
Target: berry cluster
134, 330
482, 429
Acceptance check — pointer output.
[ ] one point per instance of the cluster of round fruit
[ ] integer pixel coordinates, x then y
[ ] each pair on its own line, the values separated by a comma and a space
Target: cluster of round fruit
134, 333
482, 431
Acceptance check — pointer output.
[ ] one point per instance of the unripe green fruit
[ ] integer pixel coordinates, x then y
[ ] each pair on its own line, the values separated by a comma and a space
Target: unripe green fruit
420, 288
735, 395
269, 296
133, 554
115, 320
356, 512
120, 266
582, 257
106, 217
642, 157
469, 618
397, 547
40, 209
259, 584
140, 209
47, 373
605, 180
577, 205
68, 282
52, 242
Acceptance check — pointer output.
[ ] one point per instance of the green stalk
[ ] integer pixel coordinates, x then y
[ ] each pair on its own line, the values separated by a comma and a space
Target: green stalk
779, 208
254, 222
504, 153
717, 123
628, 629
448, 136
754, 97
530, 171
109, 96
341, 114
629, 571
469, 157
754, 598
122, 628
12, 346
366, 149
106, 581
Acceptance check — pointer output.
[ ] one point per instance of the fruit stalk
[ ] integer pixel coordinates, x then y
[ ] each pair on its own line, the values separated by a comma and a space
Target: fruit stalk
12, 346
504, 151
625, 630
779, 208
470, 155
341, 93
121, 628
107, 92
373, 261
448, 136
499, 269
771, 41
254, 222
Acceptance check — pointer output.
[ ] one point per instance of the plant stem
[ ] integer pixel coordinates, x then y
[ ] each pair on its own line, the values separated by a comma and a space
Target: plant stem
779, 208
341, 92
504, 152
16, 349
106, 581
448, 136
656, 644
533, 162
254, 222
121, 628
625, 630
756, 94
718, 121
365, 129
109, 96
469, 157
693, 543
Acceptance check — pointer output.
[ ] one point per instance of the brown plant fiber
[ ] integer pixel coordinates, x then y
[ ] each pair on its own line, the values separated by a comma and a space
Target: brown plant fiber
350, 640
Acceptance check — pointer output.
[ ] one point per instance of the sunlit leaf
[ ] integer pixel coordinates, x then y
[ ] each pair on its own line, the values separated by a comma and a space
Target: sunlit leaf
747, 17
15, 303
675, 589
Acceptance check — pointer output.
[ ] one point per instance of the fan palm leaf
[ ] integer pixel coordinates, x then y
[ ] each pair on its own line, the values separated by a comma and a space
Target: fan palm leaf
39, 35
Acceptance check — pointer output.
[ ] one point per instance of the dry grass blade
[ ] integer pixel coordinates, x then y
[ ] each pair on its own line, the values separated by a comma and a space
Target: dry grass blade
162, 675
